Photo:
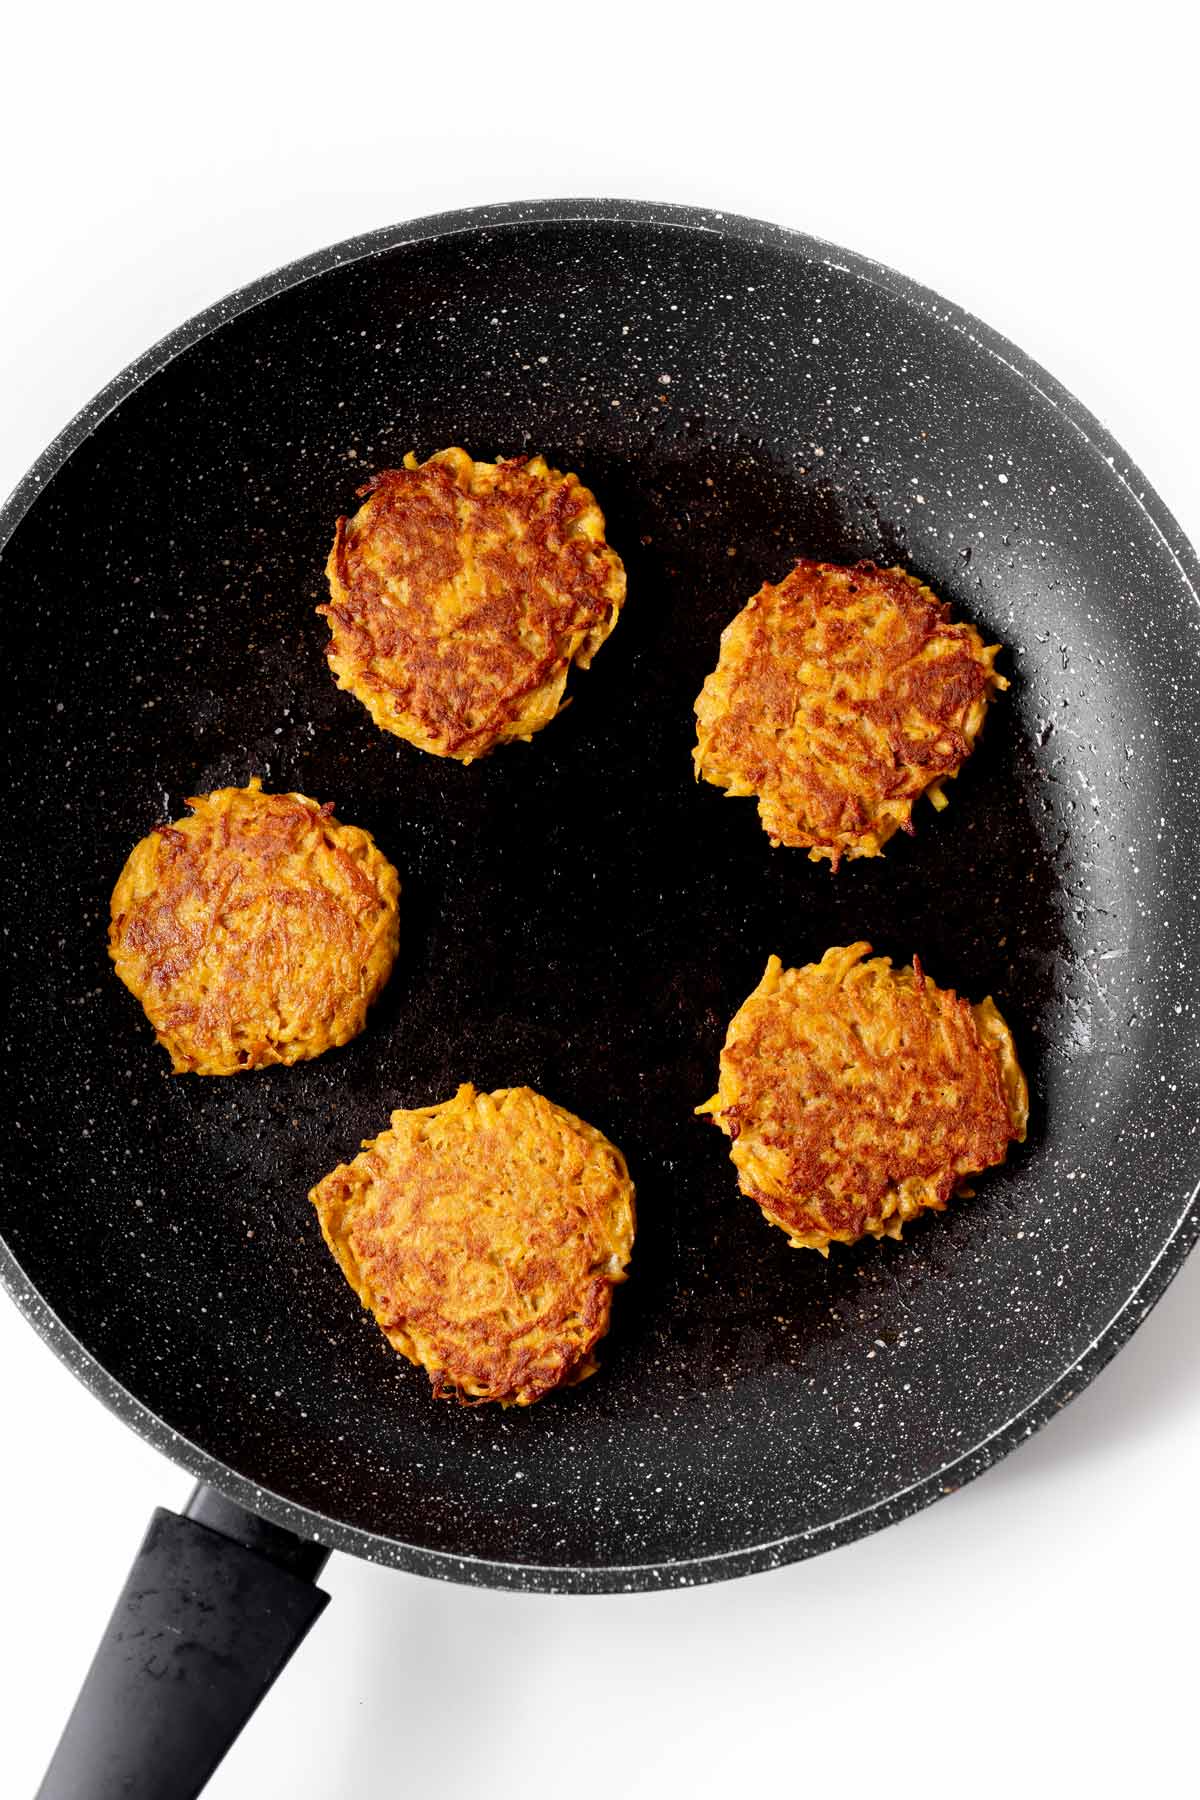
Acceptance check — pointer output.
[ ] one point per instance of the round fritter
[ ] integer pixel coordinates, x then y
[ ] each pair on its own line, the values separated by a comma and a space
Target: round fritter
839, 697
486, 1235
858, 1095
257, 931
462, 592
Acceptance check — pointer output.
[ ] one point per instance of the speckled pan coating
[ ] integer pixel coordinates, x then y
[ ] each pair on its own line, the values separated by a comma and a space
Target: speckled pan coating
581, 916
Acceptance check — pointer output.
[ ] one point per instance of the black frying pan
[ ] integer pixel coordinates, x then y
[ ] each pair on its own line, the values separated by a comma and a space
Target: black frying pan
580, 916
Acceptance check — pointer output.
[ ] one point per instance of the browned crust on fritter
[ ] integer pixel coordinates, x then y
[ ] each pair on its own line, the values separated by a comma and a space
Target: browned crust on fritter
257, 931
840, 696
486, 1235
460, 595
858, 1095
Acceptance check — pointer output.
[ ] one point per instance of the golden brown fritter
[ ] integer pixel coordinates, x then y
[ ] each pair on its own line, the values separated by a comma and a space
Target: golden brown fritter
486, 1235
840, 696
461, 594
858, 1095
257, 931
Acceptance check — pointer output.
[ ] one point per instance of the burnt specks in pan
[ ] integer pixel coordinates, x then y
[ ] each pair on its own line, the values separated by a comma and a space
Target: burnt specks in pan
579, 916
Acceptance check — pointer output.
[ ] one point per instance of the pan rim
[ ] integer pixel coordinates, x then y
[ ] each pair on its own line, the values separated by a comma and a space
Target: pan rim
789, 1547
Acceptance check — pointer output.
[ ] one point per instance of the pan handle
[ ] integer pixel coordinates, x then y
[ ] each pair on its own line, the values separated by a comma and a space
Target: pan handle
215, 1603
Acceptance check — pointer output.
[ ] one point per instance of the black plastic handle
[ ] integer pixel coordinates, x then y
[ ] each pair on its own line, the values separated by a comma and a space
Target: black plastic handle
213, 1608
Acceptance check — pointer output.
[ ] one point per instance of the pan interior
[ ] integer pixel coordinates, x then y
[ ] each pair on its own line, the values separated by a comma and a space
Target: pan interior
578, 914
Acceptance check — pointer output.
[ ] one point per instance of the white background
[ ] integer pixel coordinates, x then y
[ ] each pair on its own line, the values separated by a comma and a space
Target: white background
1037, 165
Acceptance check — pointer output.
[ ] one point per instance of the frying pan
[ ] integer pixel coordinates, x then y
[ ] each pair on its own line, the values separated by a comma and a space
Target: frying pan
580, 916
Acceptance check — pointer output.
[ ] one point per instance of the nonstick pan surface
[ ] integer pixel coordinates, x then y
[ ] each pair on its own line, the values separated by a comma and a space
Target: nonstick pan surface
578, 914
